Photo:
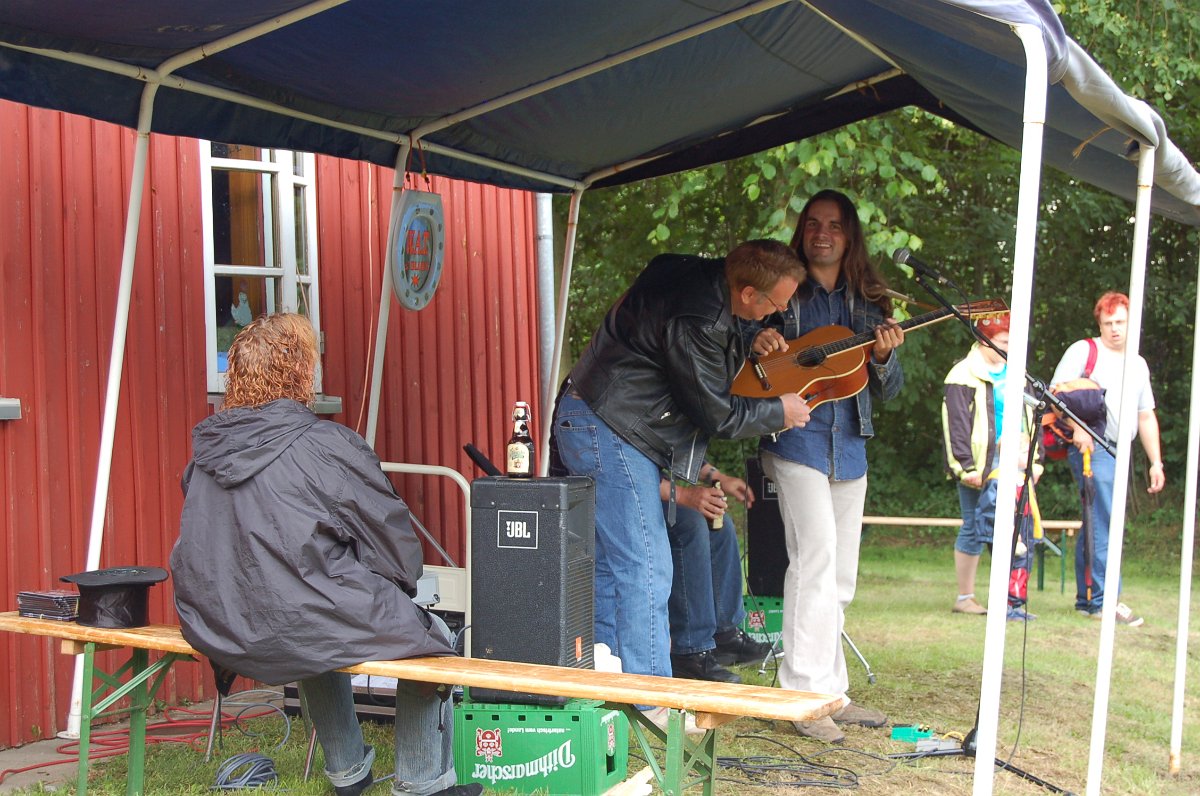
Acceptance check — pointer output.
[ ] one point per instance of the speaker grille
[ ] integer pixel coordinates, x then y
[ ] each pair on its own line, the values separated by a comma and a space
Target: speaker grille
532, 575
766, 550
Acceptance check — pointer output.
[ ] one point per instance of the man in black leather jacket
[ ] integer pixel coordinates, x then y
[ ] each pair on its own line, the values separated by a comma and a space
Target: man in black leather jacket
646, 395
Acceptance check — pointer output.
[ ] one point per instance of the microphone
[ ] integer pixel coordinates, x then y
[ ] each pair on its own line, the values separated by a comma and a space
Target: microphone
905, 257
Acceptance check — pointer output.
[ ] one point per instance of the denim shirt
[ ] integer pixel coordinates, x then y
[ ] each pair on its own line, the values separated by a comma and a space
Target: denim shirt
834, 441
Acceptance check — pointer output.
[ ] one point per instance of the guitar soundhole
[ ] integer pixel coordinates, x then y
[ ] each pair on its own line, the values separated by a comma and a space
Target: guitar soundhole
810, 358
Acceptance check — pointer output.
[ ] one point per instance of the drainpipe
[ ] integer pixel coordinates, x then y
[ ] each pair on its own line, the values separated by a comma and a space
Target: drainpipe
545, 291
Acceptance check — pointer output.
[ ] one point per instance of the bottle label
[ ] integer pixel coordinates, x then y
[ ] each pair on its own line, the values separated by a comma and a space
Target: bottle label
519, 459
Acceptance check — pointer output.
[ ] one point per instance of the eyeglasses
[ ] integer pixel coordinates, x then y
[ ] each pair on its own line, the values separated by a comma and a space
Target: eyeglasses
778, 307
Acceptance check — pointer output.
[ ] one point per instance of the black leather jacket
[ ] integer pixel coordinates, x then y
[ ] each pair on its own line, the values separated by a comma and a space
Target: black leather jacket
658, 369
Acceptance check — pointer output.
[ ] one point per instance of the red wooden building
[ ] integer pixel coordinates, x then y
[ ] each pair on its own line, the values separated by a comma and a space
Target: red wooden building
226, 232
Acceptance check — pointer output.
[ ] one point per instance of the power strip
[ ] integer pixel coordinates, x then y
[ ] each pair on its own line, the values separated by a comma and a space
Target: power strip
937, 745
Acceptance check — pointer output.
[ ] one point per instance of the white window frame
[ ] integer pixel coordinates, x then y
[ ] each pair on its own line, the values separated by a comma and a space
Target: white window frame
277, 165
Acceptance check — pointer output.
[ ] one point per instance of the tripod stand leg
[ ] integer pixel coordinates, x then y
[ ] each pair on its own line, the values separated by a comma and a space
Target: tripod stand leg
859, 655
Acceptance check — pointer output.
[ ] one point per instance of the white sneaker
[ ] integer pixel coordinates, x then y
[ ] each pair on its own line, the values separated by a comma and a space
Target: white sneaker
1126, 616
659, 716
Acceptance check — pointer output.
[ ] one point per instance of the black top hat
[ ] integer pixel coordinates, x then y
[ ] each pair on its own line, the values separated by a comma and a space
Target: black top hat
115, 597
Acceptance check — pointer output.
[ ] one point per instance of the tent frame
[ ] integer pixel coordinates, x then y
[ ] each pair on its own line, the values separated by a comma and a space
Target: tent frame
1033, 126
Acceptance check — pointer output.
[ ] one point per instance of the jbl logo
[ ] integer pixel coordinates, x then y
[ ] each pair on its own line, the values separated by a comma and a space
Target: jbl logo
769, 490
517, 529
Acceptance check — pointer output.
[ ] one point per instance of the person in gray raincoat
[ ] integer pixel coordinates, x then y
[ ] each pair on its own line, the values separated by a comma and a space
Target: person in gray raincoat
296, 557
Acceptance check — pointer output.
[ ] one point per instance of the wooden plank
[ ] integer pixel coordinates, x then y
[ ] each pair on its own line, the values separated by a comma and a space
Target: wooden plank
714, 703
73, 647
636, 785
628, 689
166, 638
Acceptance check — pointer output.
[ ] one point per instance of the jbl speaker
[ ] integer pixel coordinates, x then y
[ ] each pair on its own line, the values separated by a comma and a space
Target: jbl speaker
766, 550
533, 551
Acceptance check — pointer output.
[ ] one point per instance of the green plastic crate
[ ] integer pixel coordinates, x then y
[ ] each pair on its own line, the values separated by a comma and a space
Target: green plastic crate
580, 748
764, 618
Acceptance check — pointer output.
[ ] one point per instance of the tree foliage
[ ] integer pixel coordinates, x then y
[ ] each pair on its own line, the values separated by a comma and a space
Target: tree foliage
921, 182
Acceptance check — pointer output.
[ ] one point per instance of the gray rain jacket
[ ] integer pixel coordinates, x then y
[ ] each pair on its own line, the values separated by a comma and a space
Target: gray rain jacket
295, 556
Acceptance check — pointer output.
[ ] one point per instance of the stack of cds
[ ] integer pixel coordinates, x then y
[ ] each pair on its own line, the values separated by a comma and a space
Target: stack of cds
53, 604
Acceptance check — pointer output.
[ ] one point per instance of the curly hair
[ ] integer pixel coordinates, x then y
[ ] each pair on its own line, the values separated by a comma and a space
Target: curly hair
860, 273
273, 357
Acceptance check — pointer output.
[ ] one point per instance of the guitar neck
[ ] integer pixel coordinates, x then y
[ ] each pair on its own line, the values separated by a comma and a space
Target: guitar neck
868, 338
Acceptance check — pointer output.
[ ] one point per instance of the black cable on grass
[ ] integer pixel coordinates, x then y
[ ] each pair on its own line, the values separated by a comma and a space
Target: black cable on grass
805, 770
1024, 685
287, 722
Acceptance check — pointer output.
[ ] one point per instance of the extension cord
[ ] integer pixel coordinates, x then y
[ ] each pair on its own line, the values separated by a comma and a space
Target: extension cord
937, 745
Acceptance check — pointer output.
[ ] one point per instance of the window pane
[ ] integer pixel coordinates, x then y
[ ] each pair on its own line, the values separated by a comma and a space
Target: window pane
243, 218
302, 298
236, 151
239, 300
301, 225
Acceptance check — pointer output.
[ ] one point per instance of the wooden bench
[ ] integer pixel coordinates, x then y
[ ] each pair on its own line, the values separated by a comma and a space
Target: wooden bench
687, 762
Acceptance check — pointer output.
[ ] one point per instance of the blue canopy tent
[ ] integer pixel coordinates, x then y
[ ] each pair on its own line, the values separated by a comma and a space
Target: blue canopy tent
567, 91
560, 97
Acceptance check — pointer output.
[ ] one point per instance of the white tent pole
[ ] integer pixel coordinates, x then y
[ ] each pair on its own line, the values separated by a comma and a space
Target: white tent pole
1187, 552
1126, 419
193, 87
116, 365
564, 287
385, 298
116, 362
1034, 118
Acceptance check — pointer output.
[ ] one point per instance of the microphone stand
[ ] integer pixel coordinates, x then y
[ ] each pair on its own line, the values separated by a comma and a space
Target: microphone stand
1043, 397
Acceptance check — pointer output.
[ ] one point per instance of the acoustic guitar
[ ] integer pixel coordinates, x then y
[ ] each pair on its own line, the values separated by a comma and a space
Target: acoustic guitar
830, 362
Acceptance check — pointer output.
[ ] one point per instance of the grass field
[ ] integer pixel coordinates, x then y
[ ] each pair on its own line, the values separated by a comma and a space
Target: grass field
928, 664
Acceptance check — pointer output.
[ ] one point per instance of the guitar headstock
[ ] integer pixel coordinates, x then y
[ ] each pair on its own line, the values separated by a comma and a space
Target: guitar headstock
984, 308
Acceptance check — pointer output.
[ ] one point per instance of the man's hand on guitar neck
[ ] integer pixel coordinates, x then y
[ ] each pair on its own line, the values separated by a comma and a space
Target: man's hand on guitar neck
888, 335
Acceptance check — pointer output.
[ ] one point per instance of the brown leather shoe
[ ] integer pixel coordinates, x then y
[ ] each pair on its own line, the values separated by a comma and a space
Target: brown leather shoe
822, 729
857, 714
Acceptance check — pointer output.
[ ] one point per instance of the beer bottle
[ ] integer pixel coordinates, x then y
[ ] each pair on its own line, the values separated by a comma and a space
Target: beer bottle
718, 522
519, 461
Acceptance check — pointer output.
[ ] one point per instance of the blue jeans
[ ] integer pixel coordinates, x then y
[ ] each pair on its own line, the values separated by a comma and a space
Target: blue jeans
1104, 468
706, 591
633, 558
424, 733
968, 541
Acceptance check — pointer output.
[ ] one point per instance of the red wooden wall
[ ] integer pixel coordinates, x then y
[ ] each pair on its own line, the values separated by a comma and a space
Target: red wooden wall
452, 370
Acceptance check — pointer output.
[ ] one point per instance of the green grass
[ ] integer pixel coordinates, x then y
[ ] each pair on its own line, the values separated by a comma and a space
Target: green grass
928, 664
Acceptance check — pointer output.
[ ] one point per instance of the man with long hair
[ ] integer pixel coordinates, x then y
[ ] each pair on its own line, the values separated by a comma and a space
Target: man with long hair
821, 469
296, 558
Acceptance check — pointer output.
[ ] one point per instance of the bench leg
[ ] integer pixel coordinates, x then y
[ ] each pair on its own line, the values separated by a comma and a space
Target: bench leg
687, 763
85, 719
139, 700
139, 688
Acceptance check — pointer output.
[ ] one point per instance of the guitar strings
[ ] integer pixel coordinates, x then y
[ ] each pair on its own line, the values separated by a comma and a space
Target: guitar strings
825, 350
